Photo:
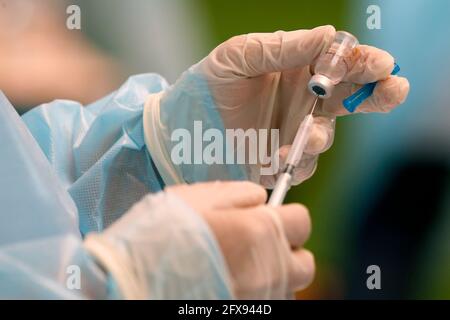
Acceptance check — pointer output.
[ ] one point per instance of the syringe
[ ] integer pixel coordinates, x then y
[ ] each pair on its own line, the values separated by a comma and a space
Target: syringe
296, 152
293, 159
329, 70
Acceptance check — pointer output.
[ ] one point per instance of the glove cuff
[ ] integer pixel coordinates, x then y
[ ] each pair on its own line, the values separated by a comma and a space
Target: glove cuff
120, 269
154, 139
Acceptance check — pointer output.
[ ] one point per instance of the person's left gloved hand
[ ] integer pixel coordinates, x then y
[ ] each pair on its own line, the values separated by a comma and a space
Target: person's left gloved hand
260, 81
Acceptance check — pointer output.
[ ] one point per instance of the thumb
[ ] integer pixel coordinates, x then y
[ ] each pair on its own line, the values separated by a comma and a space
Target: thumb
260, 53
321, 136
220, 195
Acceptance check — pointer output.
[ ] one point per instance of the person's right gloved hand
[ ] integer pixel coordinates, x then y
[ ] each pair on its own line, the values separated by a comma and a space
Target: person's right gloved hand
155, 250
261, 244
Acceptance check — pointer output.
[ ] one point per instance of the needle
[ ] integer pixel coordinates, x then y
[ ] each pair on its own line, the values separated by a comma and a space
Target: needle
314, 105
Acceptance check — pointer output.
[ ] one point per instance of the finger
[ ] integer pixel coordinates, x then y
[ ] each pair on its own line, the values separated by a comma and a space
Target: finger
283, 153
296, 223
221, 195
260, 53
302, 270
319, 141
305, 169
372, 64
242, 194
334, 106
387, 95
321, 136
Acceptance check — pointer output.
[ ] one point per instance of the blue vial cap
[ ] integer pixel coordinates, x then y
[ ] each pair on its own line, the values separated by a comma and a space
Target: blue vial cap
355, 100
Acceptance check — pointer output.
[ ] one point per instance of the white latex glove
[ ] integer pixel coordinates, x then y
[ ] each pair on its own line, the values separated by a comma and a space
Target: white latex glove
257, 241
159, 250
260, 81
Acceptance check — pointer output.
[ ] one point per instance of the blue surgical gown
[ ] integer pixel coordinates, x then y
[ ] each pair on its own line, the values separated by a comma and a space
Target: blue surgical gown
67, 170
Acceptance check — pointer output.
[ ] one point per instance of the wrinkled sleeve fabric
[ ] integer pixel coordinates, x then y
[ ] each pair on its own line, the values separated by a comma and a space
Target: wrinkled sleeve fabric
67, 170
40, 244
98, 151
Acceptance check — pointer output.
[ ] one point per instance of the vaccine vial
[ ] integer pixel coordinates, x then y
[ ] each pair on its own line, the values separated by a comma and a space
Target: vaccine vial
333, 65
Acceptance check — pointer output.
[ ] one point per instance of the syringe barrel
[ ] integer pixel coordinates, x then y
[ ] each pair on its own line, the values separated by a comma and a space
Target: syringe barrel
281, 188
301, 139
332, 66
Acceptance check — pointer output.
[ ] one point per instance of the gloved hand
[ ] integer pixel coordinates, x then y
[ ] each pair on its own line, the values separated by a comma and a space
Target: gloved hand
260, 81
256, 240
158, 249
